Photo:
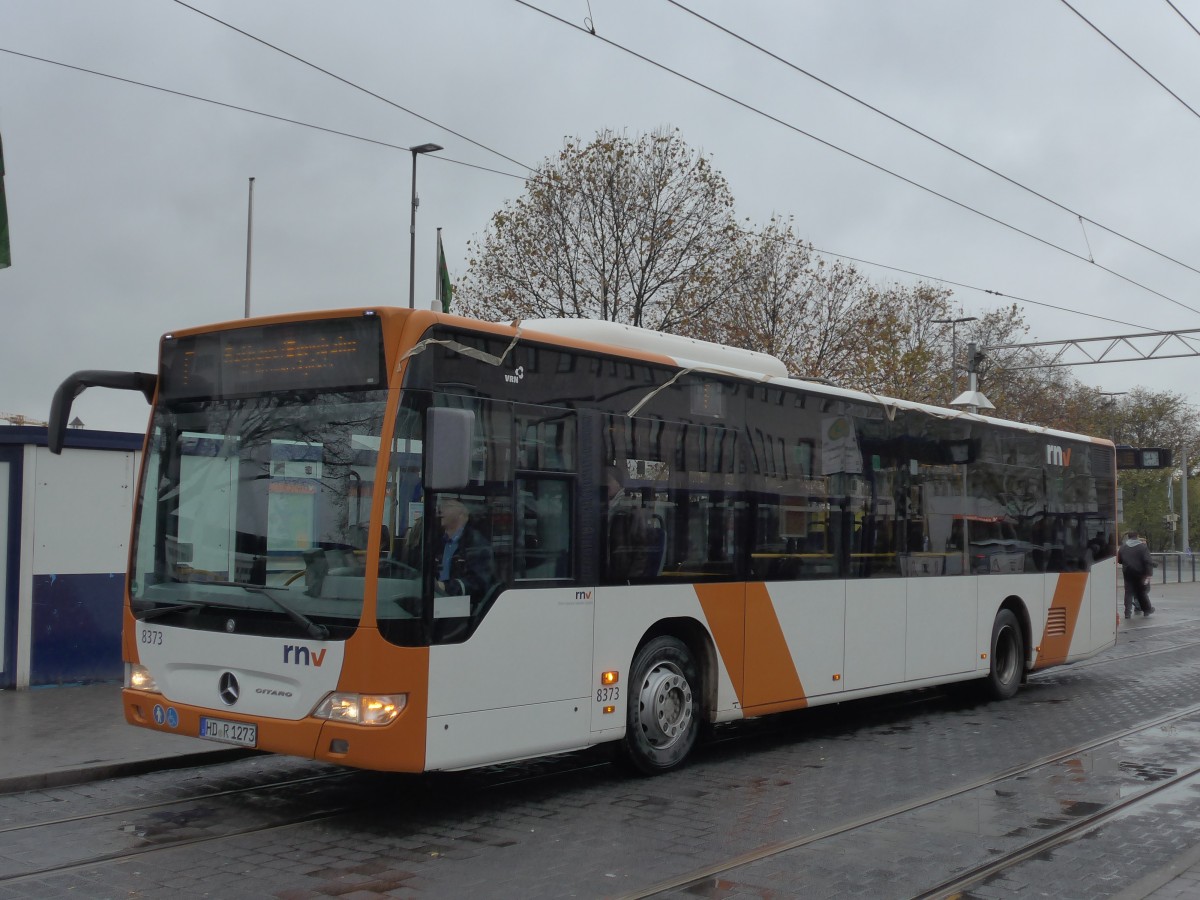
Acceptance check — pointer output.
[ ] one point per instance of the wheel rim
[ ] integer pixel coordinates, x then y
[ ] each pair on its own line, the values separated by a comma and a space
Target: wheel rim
665, 705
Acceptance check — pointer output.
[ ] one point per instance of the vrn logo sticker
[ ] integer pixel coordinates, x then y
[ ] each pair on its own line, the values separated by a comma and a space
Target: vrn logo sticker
297, 655
515, 377
1057, 456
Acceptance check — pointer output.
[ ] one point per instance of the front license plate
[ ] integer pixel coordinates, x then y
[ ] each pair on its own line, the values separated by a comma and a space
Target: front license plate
229, 732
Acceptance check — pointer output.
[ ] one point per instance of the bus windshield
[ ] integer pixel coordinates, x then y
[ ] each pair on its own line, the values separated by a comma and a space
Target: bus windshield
254, 512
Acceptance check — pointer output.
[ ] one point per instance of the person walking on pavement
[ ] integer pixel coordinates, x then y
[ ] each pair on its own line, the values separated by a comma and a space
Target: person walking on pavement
1136, 567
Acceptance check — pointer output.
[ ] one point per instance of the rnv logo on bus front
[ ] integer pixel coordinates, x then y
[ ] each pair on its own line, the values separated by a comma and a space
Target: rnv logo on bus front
302, 656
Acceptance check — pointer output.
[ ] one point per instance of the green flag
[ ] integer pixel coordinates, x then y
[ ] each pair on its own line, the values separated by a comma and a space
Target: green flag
445, 290
5, 250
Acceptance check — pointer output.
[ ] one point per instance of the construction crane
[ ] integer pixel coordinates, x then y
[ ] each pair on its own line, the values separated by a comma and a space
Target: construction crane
20, 419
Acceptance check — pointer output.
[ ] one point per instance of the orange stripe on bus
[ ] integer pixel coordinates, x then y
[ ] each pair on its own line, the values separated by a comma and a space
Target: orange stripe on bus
1060, 628
129, 646
375, 666
752, 646
771, 676
725, 608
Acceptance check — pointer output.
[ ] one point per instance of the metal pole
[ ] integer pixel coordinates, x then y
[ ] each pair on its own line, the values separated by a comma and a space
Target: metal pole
954, 323
412, 226
1184, 543
437, 272
954, 359
412, 237
249, 238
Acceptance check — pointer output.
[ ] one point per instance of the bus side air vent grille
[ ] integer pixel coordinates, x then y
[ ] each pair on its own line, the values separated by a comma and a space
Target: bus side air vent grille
1056, 622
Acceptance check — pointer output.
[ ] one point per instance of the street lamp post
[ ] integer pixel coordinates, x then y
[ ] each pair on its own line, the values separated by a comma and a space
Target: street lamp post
249, 236
953, 323
1185, 544
412, 228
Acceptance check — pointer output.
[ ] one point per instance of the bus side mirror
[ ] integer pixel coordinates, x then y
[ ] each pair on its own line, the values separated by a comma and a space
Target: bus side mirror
448, 442
60, 407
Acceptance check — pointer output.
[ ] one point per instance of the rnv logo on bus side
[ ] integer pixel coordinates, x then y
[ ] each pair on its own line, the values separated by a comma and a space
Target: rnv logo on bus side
1057, 456
302, 656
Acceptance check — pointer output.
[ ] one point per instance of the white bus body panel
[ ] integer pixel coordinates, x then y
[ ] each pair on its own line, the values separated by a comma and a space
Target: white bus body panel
1104, 599
519, 686
1031, 590
623, 616
527, 682
812, 616
876, 623
942, 616
279, 678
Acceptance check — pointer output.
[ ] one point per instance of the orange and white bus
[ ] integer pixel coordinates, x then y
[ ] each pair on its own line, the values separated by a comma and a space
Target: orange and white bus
404, 540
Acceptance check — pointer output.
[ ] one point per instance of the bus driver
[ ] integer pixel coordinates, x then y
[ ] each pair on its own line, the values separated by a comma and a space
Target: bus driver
464, 556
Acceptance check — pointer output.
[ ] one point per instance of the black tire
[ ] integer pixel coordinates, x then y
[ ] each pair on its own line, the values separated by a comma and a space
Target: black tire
662, 718
1007, 657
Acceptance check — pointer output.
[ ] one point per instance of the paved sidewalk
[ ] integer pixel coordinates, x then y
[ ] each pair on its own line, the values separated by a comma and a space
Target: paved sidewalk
66, 735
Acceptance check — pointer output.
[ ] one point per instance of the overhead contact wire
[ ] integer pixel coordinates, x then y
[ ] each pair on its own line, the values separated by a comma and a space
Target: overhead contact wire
245, 109
874, 165
357, 87
914, 130
1121, 50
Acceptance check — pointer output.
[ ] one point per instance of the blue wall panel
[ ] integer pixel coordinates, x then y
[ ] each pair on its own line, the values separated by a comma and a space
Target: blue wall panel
76, 628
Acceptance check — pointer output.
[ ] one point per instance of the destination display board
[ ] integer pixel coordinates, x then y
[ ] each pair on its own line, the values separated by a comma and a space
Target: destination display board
322, 354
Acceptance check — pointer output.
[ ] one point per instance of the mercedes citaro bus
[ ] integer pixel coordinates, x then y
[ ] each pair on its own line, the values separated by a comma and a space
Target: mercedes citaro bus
663, 533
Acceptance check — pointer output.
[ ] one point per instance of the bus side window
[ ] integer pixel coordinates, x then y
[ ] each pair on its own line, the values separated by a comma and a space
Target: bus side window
635, 550
544, 518
542, 549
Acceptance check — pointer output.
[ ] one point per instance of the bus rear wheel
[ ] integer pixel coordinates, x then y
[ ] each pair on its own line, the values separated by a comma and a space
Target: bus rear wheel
1007, 656
663, 714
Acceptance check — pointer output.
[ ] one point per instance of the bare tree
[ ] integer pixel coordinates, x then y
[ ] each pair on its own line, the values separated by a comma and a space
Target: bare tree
821, 319
635, 231
911, 350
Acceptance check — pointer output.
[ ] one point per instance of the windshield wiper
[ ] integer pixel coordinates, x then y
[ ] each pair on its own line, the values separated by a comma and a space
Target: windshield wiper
174, 607
314, 631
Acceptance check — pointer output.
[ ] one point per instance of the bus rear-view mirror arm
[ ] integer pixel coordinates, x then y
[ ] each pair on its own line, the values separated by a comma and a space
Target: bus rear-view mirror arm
72, 387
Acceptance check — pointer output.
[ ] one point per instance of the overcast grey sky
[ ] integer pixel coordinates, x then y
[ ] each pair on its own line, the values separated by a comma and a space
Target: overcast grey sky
127, 206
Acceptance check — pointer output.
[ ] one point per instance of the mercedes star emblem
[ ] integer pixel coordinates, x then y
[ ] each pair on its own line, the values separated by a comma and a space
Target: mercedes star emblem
228, 688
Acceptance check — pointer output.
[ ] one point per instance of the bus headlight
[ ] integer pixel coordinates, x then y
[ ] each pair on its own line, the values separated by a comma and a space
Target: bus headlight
139, 678
361, 709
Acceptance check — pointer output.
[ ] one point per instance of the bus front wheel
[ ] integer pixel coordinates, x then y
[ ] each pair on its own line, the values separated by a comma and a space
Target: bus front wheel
663, 715
1007, 656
